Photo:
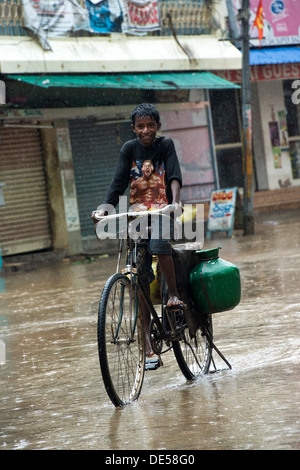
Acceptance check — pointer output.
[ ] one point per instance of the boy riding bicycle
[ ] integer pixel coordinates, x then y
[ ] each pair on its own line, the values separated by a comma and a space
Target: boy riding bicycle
149, 164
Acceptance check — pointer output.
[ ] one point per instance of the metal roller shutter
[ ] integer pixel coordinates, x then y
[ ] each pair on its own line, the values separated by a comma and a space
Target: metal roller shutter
95, 151
24, 217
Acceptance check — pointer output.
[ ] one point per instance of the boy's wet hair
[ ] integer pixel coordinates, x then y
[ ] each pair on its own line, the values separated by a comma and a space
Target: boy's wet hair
145, 110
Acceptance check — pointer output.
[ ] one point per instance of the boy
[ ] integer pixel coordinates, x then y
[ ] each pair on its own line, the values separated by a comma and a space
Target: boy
150, 165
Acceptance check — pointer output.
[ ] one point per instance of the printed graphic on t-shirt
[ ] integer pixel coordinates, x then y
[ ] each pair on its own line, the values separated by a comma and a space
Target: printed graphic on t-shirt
147, 187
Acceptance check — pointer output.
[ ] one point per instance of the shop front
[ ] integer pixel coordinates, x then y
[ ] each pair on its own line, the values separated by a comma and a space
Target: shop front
275, 120
76, 151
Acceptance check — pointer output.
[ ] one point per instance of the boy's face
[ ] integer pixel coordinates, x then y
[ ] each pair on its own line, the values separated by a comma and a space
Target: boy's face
146, 129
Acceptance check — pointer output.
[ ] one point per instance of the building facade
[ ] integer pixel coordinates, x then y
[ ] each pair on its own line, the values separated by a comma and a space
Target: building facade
275, 73
68, 103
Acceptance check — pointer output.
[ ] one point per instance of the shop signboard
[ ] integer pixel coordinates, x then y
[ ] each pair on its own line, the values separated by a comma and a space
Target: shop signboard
222, 209
263, 72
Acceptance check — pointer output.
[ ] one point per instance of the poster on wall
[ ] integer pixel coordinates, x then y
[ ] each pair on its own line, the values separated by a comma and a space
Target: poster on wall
127, 16
140, 16
50, 18
105, 15
281, 21
275, 143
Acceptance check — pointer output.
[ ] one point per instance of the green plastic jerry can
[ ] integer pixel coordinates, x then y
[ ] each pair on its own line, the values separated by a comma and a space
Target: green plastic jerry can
215, 283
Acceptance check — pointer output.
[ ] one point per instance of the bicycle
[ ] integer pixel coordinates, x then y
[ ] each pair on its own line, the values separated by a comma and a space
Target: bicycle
121, 342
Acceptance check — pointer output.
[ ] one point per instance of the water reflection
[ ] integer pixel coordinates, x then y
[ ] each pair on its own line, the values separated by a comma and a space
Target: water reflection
52, 396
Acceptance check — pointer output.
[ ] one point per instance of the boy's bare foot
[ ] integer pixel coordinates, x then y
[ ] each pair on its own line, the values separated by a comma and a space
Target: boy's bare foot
174, 302
149, 351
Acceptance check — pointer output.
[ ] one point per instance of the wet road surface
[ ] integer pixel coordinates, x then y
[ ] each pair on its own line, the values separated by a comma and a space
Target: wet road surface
51, 391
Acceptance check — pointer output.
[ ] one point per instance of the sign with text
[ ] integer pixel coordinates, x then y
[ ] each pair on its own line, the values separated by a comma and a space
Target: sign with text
263, 72
222, 211
140, 16
281, 21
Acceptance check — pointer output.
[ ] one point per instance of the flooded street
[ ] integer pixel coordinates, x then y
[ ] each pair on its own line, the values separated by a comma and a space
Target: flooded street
51, 390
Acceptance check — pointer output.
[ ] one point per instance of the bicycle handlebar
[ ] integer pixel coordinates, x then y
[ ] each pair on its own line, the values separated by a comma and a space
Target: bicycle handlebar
168, 208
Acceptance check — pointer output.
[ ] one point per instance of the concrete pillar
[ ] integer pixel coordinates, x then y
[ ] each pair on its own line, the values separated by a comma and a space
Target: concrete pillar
55, 192
68, 186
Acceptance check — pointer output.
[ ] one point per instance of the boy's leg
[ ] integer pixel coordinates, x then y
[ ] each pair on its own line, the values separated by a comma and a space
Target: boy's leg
162, 229
167, 267
146, 276
146, 318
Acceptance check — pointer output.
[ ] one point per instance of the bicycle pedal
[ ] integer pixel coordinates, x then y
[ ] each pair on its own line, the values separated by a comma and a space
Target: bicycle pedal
152, 364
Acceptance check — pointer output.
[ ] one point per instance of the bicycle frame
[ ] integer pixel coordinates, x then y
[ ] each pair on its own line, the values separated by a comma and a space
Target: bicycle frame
131, 270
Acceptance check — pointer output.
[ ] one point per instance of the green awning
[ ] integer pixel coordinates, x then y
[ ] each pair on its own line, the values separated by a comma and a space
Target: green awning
152, 81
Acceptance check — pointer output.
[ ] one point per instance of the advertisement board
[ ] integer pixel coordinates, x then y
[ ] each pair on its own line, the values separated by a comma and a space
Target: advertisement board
281, 20
222, 211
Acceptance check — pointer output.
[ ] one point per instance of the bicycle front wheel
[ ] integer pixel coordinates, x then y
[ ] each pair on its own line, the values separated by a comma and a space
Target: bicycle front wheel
121, 341
194, 355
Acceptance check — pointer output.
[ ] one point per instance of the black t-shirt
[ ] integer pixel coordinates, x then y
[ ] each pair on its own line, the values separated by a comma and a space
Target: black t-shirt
135, 162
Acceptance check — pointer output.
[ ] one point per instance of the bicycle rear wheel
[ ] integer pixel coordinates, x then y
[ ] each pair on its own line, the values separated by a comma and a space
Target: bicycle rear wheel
121, 341
194, 355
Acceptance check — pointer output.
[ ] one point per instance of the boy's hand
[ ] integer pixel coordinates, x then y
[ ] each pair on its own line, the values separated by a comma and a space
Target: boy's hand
97, 214
177, 206
177, 209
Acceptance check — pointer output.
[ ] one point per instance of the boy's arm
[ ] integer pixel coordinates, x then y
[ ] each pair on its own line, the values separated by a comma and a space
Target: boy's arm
173, 170
175, 190
118, 185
